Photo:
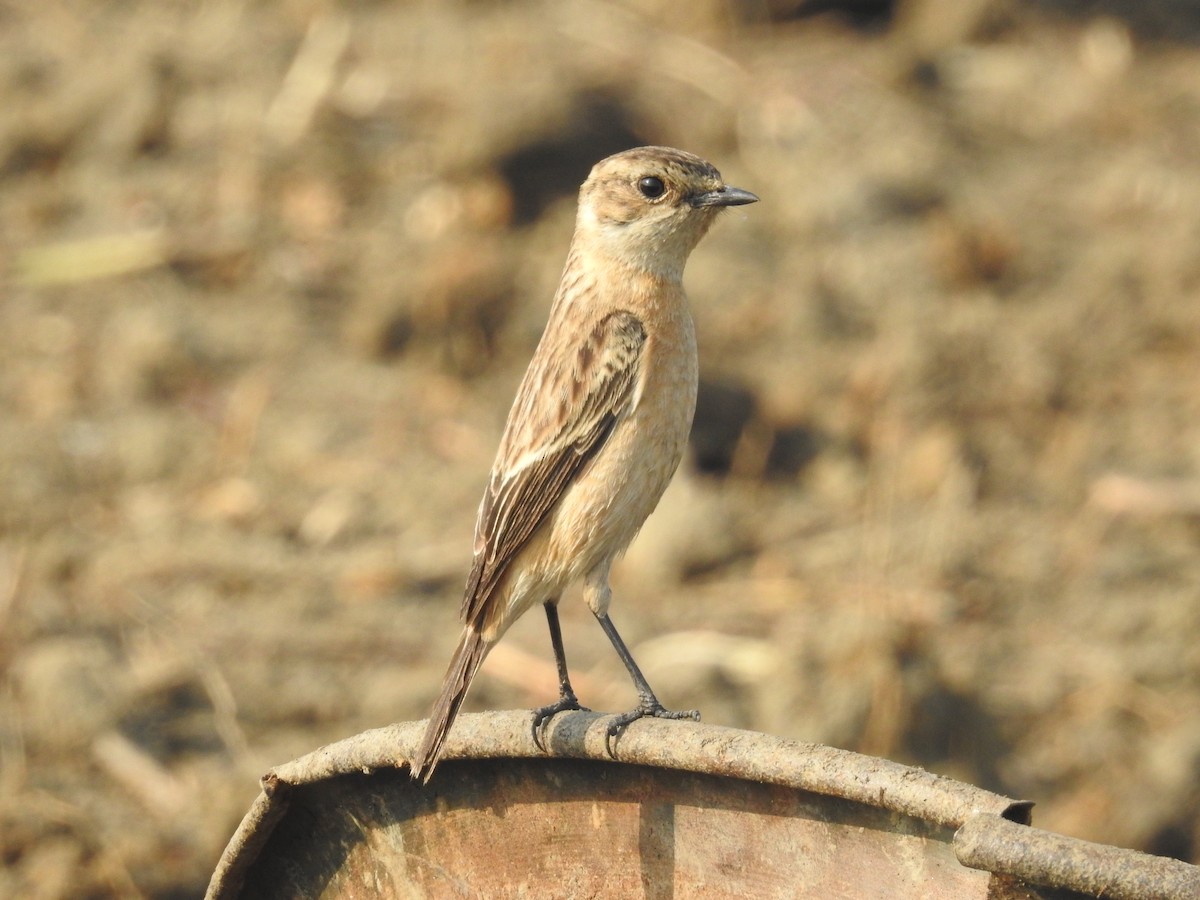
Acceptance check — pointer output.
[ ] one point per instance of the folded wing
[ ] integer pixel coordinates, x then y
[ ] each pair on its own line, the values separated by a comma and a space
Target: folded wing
566, 408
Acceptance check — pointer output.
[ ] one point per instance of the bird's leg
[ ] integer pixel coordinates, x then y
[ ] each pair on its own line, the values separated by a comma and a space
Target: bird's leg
648, 704
566, 694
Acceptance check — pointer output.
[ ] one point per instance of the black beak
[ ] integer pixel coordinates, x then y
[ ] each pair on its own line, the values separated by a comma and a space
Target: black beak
725, 196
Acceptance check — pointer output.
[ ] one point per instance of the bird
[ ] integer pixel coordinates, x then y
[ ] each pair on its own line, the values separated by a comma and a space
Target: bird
598, 427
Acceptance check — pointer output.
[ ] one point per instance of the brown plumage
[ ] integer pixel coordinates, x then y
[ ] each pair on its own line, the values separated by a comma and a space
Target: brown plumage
599, 423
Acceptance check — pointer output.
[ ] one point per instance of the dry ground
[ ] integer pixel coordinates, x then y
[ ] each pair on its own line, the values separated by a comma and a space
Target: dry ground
271, 272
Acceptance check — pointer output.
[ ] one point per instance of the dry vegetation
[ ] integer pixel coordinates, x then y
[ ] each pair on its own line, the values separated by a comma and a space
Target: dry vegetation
271, 271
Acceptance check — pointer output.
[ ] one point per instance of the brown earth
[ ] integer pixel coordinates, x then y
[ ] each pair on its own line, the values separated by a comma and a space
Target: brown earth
270, 275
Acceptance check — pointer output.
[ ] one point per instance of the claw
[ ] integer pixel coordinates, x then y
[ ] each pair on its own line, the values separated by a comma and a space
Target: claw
546, 713
648, 707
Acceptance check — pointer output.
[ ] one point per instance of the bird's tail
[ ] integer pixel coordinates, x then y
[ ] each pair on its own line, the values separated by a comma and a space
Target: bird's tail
470, 654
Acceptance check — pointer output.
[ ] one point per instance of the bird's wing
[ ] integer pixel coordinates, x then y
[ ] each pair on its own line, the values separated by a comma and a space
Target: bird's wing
567, 406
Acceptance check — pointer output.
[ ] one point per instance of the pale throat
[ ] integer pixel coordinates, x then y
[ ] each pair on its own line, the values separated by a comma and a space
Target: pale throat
657, 248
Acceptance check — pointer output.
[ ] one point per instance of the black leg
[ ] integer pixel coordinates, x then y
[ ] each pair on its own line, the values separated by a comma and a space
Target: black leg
566, 694
648, 704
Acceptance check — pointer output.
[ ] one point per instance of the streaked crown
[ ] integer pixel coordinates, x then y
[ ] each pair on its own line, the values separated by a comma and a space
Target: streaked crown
650, 206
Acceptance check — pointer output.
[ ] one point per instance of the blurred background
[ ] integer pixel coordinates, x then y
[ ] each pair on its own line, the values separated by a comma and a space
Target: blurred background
271, 271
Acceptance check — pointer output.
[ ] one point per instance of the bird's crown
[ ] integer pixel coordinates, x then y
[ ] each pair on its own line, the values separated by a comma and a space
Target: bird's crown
650, 206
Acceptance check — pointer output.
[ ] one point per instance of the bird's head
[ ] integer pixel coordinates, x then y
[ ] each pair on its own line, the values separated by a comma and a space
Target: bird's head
650, 206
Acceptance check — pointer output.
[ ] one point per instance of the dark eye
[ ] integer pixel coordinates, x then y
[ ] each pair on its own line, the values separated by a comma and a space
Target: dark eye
651, 187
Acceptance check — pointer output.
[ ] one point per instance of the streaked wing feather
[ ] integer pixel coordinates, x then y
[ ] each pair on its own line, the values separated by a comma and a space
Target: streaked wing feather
539, 459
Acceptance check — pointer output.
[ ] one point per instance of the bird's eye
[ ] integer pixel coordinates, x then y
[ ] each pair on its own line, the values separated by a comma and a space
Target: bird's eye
651, 187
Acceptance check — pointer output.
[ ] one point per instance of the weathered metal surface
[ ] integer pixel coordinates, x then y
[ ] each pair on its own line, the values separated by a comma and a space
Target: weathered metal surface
1055, 860
688, 811
573, 828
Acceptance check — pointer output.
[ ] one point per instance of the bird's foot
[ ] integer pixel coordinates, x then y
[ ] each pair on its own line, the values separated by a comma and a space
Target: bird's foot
567, 701
648, 707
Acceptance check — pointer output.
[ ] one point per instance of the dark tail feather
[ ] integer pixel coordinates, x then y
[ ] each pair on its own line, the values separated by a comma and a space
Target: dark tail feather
467, 659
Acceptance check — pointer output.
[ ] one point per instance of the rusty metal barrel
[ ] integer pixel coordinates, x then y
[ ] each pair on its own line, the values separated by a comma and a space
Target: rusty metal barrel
685, 810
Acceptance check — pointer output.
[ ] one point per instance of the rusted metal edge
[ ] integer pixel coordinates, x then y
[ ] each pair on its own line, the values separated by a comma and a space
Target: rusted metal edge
247, 841
683, 746
1053, 860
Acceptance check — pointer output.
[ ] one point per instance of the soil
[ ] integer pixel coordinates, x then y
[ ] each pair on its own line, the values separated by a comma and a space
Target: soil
271, 273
